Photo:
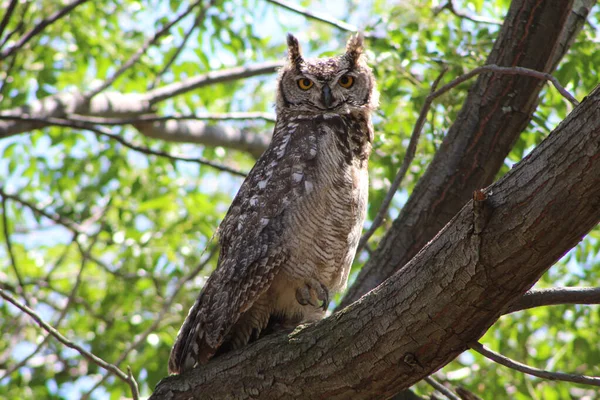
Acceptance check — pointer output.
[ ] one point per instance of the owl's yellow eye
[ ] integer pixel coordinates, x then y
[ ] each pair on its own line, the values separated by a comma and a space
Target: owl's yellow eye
346, 81
305, 83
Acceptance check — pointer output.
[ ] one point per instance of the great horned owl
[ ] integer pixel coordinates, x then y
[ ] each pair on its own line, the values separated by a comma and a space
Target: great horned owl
289, 237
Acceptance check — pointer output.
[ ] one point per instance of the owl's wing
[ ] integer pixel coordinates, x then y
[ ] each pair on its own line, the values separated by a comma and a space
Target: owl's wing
252, 239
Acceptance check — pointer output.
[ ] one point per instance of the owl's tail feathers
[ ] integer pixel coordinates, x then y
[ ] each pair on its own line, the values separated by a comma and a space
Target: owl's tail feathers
191, 347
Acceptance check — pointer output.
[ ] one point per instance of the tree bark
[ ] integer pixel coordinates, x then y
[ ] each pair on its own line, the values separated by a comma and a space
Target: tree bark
447, 296
496, 111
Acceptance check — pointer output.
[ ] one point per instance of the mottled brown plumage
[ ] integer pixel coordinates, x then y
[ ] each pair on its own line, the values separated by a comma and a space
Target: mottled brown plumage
289, 237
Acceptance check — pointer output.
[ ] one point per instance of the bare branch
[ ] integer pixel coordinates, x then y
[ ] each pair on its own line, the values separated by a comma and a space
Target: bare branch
59, 219
104, 132
19, 28
316, 16
157, 319
237, 116
441, 388
128, 105
210, 78
540, 373
40, 27
461, 14
410, 151
8, 71
186, 37
507, 71
554, 296
91, 357
464, 394
408, 157
9, 249
7, 15
134, 58
206, 134
63, 312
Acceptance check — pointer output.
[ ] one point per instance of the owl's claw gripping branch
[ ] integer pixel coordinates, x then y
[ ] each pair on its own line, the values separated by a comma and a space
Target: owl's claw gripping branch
312, 293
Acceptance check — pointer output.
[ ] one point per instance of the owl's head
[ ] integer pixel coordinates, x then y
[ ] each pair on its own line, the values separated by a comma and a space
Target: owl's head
341, 84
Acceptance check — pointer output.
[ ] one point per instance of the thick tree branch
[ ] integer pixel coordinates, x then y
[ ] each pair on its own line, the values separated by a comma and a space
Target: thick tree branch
494, 114
446, 297
540, 373
131, 105
127, 378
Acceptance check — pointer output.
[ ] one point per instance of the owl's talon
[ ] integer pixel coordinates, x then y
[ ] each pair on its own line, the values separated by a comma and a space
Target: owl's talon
314, 293
325, 304
303, 295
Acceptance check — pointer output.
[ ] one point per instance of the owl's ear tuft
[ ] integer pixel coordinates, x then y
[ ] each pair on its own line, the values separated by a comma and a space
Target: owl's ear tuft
355, 47
294, 50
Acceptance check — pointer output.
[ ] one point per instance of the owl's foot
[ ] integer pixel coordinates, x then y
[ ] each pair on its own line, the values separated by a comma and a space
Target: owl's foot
312, 292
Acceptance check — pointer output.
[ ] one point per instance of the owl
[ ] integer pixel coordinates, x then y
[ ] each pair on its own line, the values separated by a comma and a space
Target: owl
289, 237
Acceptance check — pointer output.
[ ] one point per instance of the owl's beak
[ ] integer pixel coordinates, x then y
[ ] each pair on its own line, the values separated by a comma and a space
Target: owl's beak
326, 96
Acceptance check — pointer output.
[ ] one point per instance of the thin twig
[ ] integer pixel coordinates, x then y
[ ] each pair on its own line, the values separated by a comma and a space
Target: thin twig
554, 296
8, 72
423, 115
11, 253
507, 71
63, 312
90, 356
464, 394
59, 219
481, 20
40, 27
186, 37
7, 15
540, 373
141, 149
242, 116
441, 388
158, 319
316, 16
210, 78
141, 51
19, 28
408, 158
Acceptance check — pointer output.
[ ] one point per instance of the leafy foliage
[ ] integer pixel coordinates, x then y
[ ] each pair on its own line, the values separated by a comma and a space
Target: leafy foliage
103, 239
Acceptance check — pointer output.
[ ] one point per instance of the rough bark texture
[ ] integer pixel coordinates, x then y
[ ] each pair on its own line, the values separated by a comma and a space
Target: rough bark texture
447, 296
495, 112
